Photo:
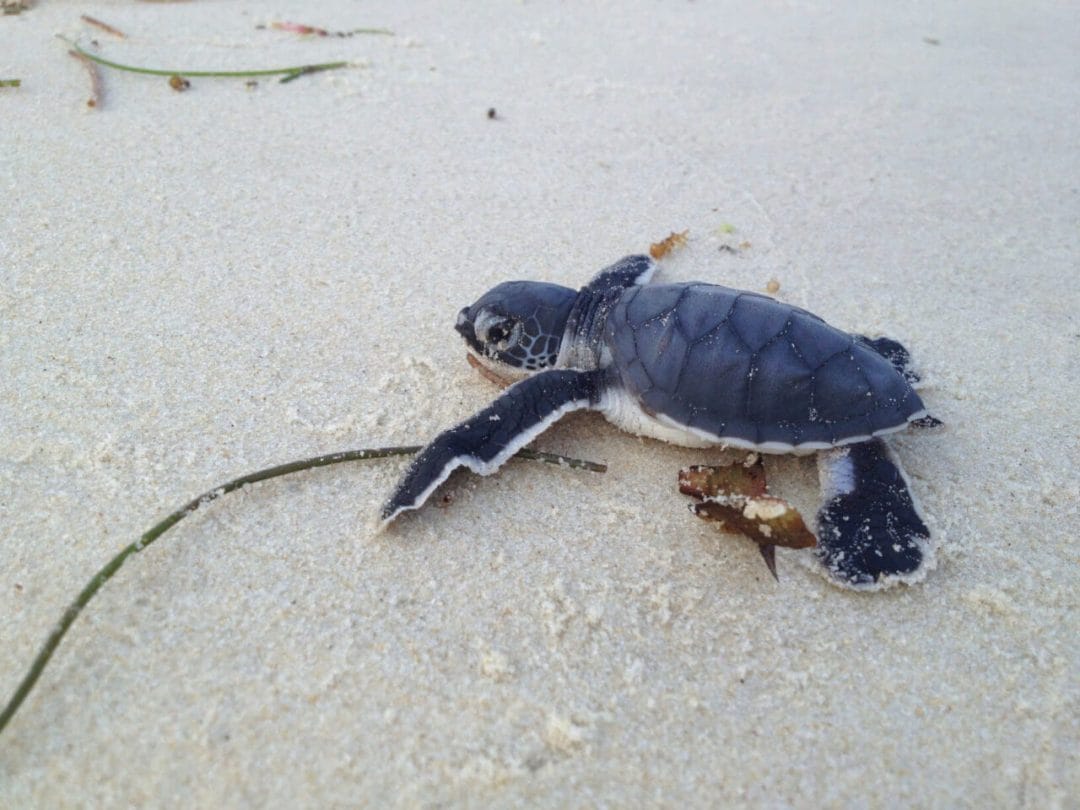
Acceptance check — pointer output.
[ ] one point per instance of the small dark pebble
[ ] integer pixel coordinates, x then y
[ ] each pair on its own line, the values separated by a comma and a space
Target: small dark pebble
492, 114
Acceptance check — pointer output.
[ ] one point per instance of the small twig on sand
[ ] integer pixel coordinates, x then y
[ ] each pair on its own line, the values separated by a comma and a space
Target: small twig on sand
116, 32
114, 565
289, 73
300, 28
95, 77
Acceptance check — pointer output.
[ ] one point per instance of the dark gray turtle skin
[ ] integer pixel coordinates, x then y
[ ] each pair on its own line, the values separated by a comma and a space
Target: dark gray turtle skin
700, 365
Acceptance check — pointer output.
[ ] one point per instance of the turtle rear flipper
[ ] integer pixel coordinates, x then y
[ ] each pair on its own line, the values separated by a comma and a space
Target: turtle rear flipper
895, 353
870, 532
484, 441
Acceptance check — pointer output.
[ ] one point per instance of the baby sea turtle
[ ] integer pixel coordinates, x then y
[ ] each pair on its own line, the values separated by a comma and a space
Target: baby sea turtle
700, 365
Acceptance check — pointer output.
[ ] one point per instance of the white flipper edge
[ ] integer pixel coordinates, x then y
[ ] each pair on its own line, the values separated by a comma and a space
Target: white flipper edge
485, 441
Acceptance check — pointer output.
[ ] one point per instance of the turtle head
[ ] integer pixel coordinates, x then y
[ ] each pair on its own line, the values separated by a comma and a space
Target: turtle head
516, 328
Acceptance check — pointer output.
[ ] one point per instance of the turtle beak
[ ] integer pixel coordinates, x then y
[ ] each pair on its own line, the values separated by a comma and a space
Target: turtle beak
464, 326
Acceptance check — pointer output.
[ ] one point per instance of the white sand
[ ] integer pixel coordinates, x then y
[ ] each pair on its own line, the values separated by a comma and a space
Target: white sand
196, 285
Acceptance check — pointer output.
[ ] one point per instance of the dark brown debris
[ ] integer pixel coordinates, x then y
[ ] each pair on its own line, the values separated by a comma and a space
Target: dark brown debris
13, 6
734, 496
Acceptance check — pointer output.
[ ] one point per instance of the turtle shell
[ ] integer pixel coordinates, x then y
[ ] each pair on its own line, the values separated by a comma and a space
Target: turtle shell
741, 368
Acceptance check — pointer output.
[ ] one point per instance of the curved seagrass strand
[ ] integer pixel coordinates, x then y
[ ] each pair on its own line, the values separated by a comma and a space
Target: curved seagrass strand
288, 73
114, 565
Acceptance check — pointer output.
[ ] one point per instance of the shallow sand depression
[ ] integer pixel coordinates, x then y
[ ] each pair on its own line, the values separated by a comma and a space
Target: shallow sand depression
198, 284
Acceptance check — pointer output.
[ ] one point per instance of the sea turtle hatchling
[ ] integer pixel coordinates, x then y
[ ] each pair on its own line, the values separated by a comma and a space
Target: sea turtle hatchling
699, 365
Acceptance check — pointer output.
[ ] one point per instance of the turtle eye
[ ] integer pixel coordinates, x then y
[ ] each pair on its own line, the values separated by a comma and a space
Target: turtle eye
499, 332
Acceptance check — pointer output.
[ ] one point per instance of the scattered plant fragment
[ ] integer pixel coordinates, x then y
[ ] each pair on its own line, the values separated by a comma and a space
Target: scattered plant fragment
735, 495
300, 28
116, 32
13, 6
95, 78
726, 233
10, 82
671, 242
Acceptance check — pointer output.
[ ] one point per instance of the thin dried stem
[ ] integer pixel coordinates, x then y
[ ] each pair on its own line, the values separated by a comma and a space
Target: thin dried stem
104, 26
95, 77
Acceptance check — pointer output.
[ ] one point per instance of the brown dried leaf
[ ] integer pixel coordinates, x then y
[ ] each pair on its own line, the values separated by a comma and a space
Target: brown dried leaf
702, 482
735, 496
766, 520
673, 241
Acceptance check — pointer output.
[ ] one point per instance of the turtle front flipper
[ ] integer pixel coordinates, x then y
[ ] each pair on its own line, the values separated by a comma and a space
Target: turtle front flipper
870, 533
486, 440
626, 272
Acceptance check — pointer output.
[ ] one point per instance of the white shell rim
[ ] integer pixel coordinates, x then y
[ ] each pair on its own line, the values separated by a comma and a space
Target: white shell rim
784, 447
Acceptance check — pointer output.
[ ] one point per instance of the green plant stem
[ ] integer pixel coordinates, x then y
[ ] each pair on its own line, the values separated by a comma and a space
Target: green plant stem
114, 565
290, 73
10, 82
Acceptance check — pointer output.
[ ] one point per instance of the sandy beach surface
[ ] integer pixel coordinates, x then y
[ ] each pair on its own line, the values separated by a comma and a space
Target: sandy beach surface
198, 284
